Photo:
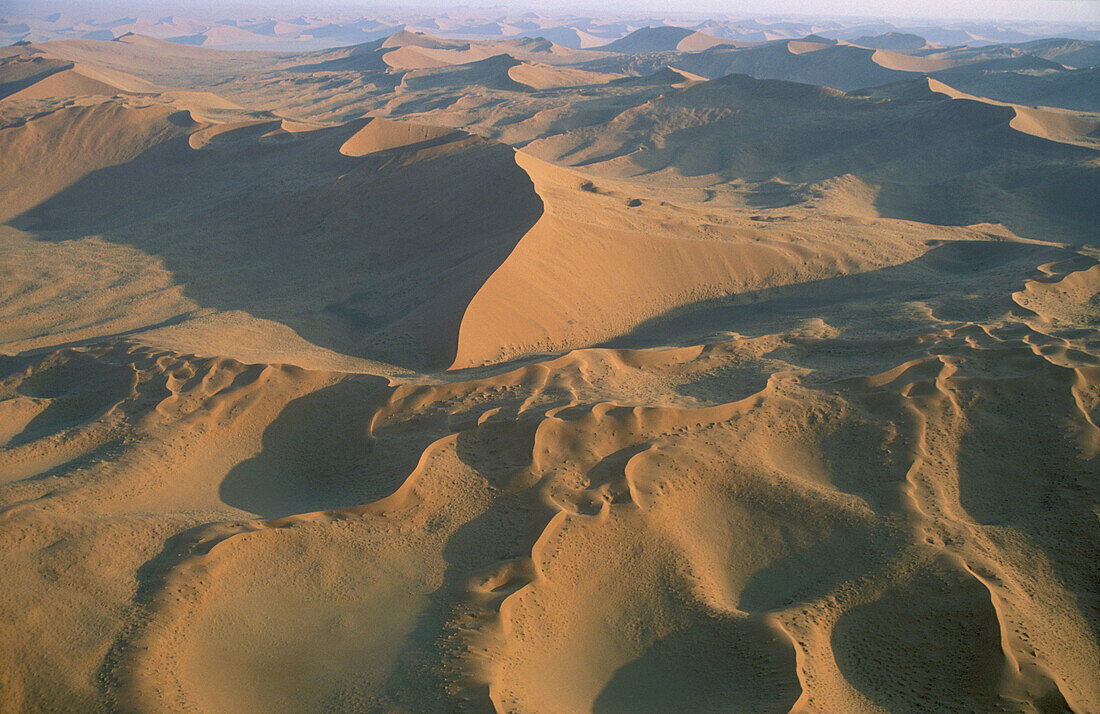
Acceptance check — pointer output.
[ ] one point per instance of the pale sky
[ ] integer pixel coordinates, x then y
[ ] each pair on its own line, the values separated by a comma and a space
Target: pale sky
1075, 11
1087, 11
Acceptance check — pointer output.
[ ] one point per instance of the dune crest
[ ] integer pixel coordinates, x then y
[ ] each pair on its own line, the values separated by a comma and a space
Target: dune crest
382, 134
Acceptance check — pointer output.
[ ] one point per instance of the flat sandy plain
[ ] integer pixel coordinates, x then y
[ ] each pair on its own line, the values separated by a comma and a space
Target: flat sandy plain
436, 375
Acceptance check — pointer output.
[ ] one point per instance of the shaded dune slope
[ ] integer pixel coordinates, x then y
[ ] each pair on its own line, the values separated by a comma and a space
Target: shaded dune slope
838, 66
210, 189
922, 153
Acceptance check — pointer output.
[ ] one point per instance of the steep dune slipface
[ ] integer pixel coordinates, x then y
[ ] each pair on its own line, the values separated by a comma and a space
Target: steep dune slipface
52, 152
661, 39
1067, 127
594, 267
909, 63
539, 76
491, 73
38, 78
19, 71
357, 283
1059, 125
66, 83
383, 135
831, 65
799, 47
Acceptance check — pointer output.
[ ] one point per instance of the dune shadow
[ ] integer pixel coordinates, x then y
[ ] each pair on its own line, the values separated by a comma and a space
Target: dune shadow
1046, 202
726, 384
317, 455
1021, 467
77, 391
803, 576
499, 448
938, 161
957, 280
365, 57
506, 531
717, 665
374, 256
928, 644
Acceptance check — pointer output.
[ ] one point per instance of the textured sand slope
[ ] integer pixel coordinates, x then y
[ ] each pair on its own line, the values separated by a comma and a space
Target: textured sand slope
658, 39
383, 135
19, 71
79, 80
593, 248
163, 63
838, 66
1055, 124
56, 150
919, 153
545, 547
209, 187
66, 83
539, 76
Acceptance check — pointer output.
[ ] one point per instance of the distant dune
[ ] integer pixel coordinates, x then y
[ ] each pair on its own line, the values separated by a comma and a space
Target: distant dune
892, 41
659, 39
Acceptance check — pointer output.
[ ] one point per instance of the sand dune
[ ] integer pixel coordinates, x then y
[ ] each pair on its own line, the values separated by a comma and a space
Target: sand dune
161, 150
1062, 126
78, 81
558, 522
416, 58
892, 41
480, 62
715, 131
50, 156
546, 295
19, 71
1075, 54
405, 38
909, 63
539, 76
572, 37
659, 39
381, 135
408, 50
1028, 82
157, 61
1059, 125
444, 375
799, 47
66, 83
491, 73
831, 65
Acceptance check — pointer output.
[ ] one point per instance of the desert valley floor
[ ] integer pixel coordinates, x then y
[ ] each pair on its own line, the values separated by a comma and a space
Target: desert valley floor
428, 374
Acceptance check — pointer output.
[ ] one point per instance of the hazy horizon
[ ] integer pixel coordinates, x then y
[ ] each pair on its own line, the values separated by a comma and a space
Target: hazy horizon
1053, 11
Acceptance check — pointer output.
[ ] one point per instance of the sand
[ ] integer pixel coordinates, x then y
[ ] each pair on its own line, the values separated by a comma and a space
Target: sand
437, 375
